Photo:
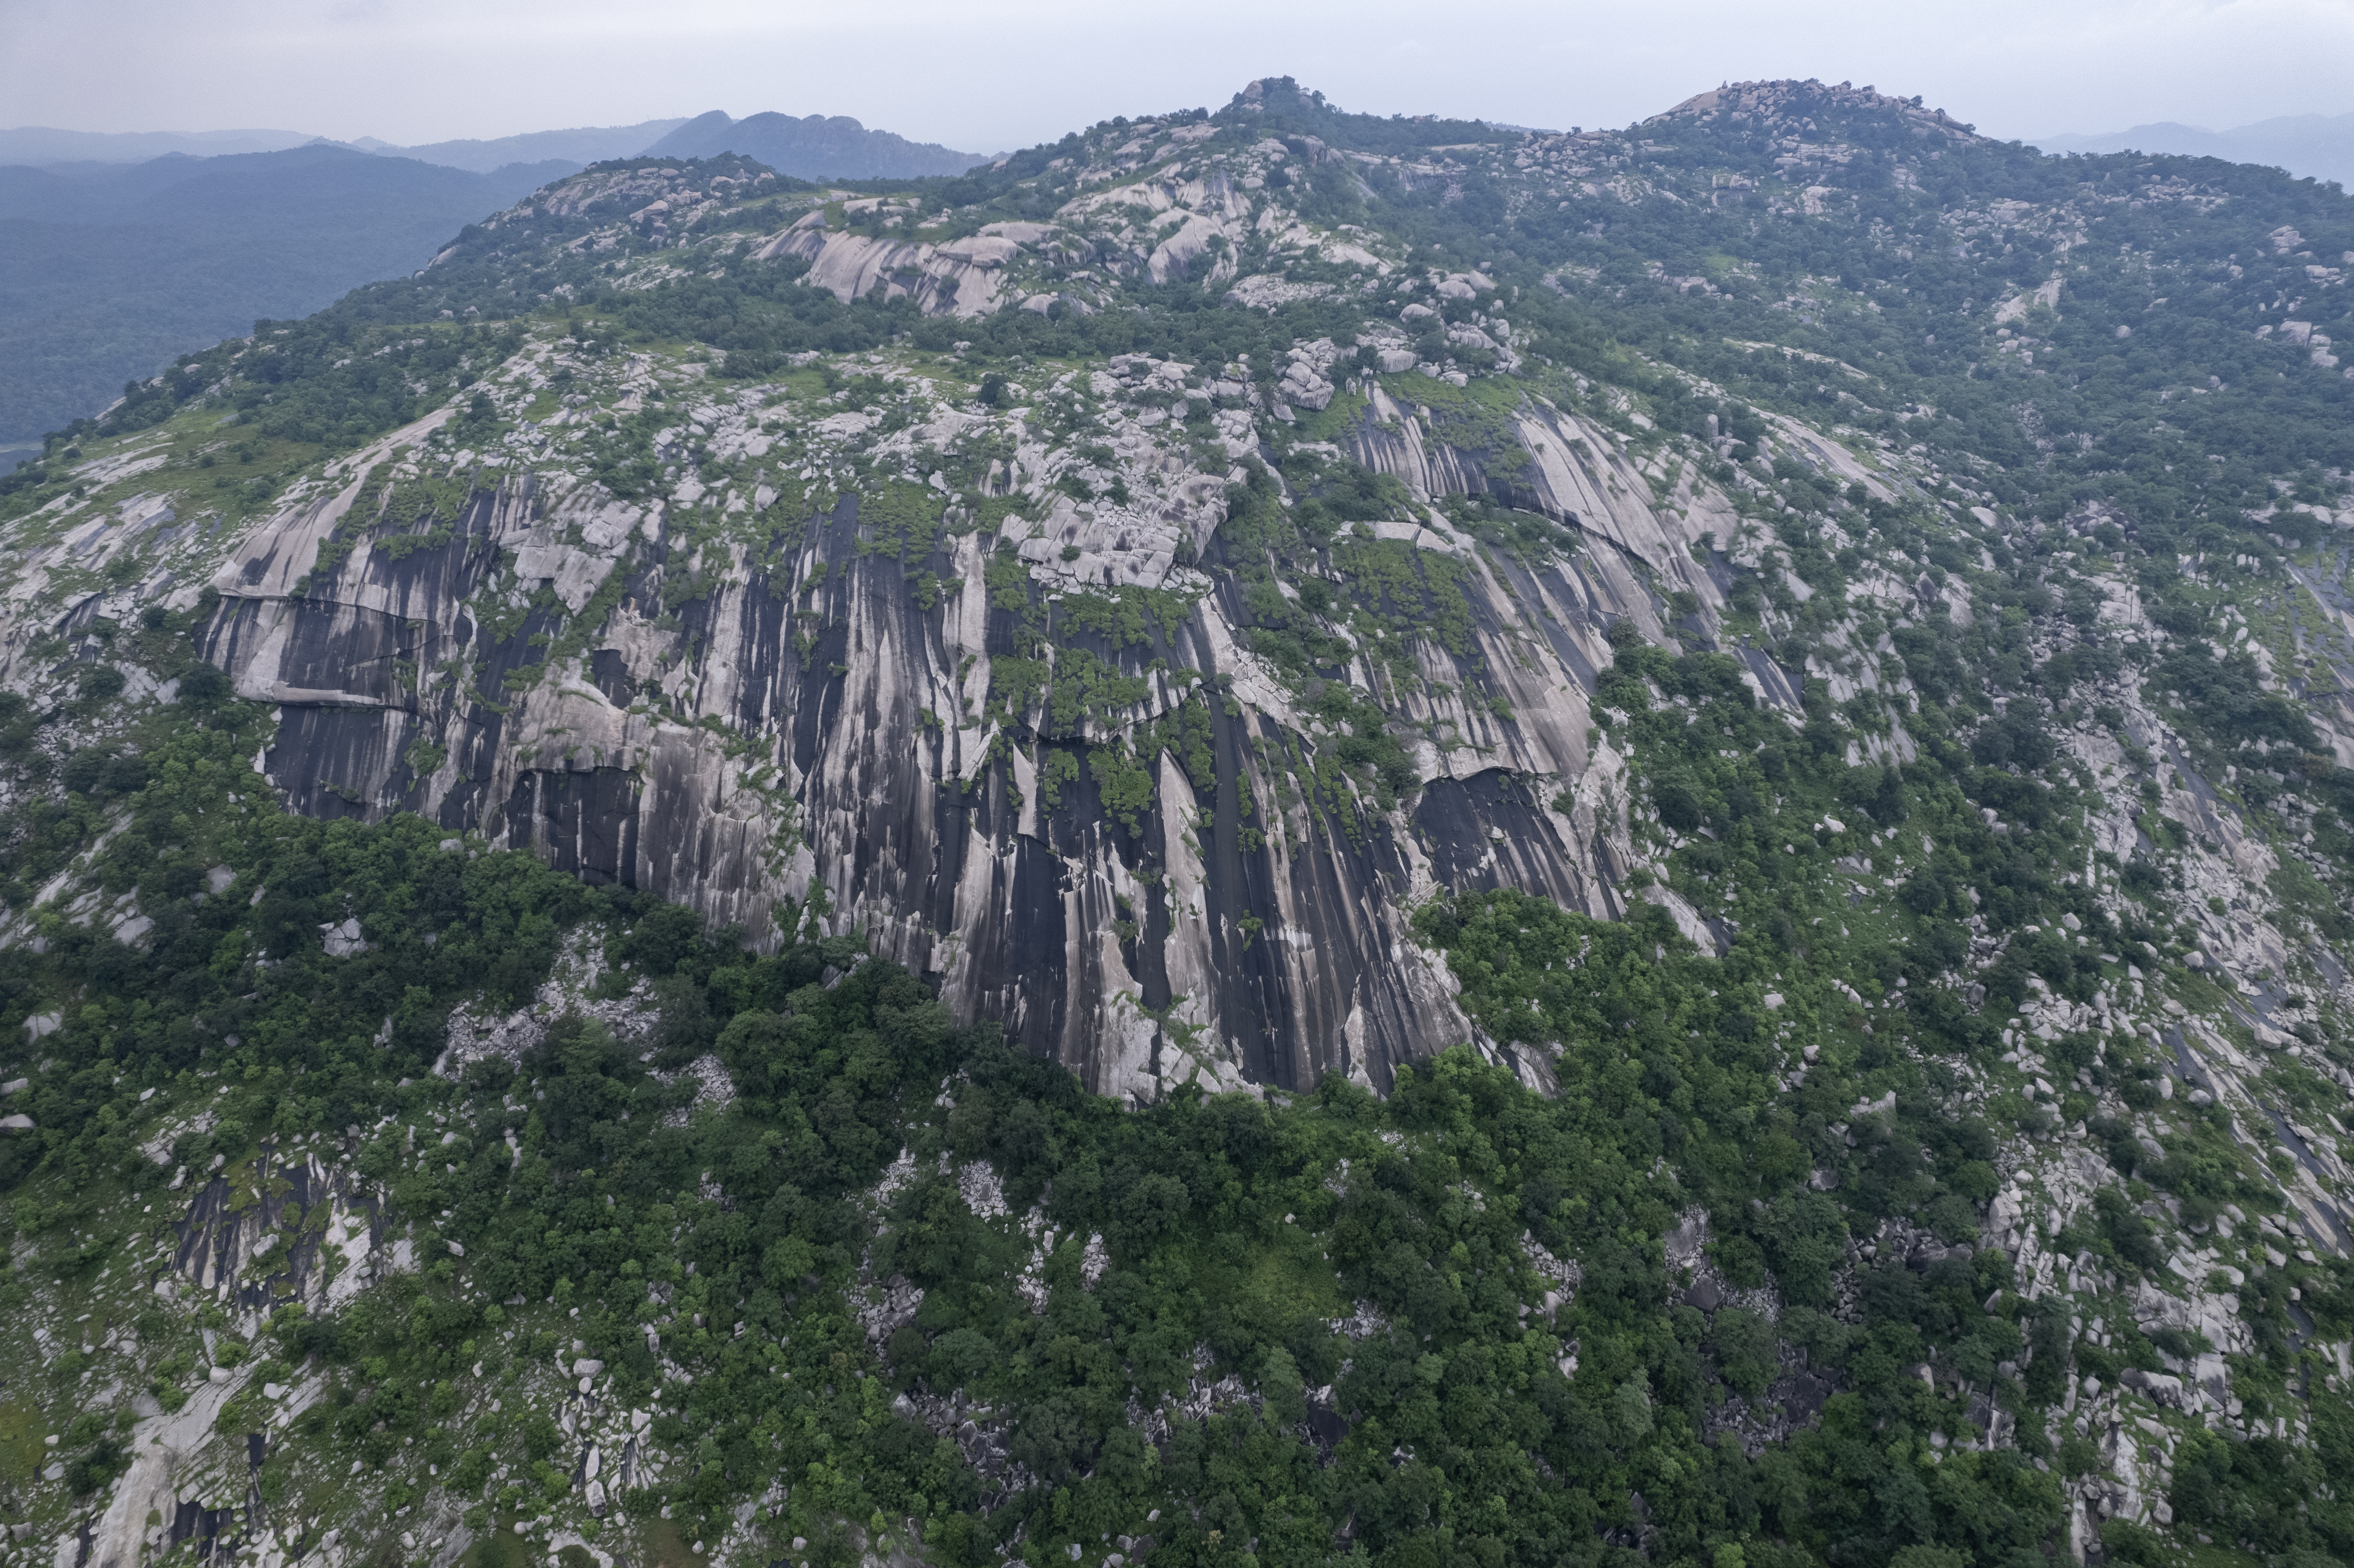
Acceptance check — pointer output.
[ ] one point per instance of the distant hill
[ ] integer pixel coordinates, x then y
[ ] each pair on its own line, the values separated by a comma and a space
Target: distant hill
2318, 145
47, 144
107, 269
818, 147
118, 251
582, 144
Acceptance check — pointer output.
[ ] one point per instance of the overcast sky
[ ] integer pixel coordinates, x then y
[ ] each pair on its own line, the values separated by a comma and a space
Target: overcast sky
990, 74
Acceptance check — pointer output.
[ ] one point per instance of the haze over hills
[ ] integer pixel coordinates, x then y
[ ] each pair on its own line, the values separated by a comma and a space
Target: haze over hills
46, 145
107, 271
110, 265
579, 146
817, 146
2319, 146
1272, 838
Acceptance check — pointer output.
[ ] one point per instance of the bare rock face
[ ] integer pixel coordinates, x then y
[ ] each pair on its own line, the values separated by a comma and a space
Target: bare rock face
296, 1226
959, 277
971, 665
798, 740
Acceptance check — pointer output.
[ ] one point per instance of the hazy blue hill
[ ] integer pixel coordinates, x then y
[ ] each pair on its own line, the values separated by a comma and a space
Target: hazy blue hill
817, 147
2319, 145
47, 144
579, 144
107, 270
45, 191
119, 250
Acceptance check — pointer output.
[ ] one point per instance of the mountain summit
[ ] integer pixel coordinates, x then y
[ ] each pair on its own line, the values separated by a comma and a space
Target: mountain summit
1799, 105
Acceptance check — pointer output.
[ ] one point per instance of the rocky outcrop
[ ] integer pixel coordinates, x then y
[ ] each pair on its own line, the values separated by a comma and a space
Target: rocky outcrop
1563, 466
295, 1226
959, 277
794, 680
796, 740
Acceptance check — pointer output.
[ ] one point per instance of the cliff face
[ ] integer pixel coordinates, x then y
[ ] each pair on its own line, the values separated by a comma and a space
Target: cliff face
798, 733
844, 642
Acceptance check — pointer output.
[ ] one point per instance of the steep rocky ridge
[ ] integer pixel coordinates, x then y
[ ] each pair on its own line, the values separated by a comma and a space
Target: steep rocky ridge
742, 587
603, 760
971, 884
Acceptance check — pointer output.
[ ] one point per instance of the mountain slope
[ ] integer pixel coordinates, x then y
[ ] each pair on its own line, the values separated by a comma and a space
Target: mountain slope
1279, 834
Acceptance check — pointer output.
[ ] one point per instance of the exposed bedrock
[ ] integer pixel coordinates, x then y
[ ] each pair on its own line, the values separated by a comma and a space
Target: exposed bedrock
792, 737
